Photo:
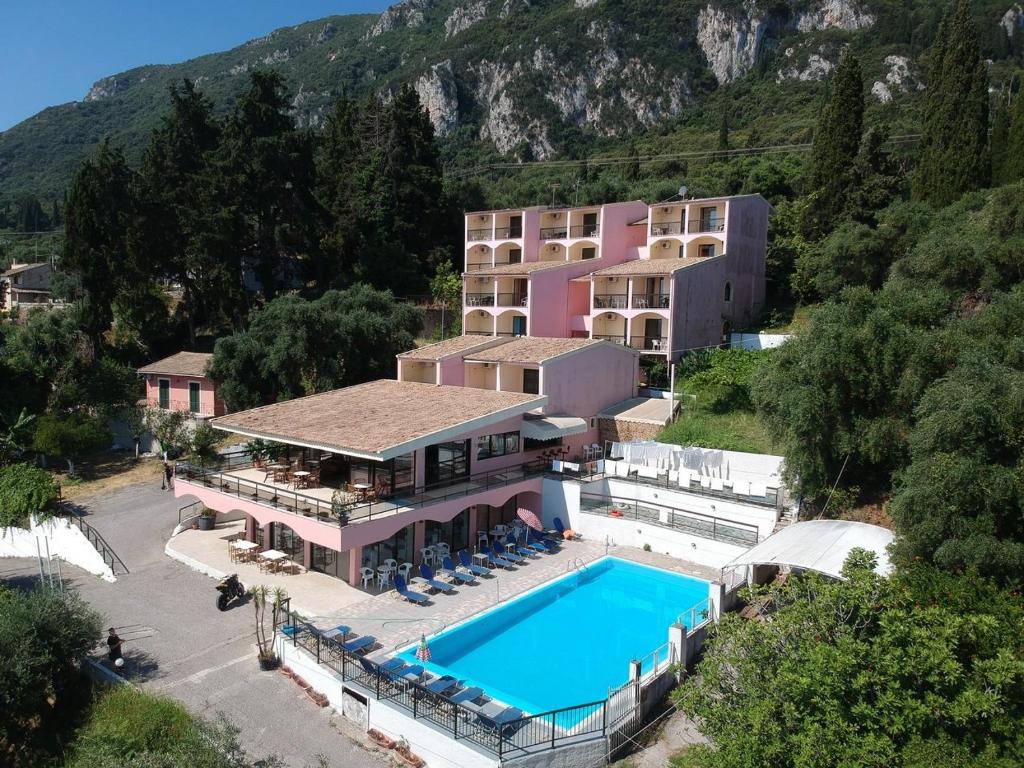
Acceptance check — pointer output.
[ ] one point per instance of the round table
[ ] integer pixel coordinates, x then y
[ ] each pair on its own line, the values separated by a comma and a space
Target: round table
300, 478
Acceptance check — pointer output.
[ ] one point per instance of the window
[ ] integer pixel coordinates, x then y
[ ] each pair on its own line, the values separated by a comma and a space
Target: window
529, 444
706, 251
515, 256
446, 462
589, 253
531, 381
502, 444
193, 396
165, 393
728, 292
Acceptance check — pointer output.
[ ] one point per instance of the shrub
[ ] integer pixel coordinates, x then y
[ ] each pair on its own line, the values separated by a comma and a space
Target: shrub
25, 491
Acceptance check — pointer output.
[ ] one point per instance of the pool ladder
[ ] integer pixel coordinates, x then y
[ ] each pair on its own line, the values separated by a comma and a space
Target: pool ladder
578, 563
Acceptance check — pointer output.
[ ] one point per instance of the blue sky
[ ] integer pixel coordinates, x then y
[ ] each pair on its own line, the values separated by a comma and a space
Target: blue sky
53, 50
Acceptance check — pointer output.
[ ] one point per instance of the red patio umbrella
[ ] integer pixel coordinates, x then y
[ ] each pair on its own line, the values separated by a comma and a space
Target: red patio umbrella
530, 519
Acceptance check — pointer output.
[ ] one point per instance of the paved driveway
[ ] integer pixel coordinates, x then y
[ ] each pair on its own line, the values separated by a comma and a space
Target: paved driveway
178, 643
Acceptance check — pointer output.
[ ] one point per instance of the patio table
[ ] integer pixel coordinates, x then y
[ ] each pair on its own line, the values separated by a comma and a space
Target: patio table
479, 558
384, 573
244, 545
272, 558
300, 478
361, 489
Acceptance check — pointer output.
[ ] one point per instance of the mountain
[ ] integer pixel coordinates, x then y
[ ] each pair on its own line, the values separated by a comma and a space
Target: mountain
534, 79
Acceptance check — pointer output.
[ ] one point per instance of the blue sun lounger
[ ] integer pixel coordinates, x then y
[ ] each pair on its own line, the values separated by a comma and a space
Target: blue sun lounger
495, 559
524, 551
466, 694
493, 716
449, 569
428, 578
512, 556
403, 590
467, 562
441, 684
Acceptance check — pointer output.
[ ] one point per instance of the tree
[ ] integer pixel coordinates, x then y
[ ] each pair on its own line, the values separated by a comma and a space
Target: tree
999, 141
837, 140
25, 491
954, 146
723, 132
170, 429
1013, 164
43, 633
865, 671
14, 436
295, 347
70, 436
134, 418
202, 447
446, 288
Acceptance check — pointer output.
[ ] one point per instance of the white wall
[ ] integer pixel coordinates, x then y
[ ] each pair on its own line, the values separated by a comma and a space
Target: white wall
66, 542
758, 340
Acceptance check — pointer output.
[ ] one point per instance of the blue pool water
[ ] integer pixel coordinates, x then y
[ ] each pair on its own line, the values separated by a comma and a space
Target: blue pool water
569, 642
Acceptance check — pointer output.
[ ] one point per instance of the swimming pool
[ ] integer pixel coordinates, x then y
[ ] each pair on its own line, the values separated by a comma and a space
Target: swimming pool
566, 643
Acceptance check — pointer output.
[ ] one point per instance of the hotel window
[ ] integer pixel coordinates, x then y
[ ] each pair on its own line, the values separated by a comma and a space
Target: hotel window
193, 396
446, 462
706, 251
165, 393
502, 444
531, 381
589, 253
515, 256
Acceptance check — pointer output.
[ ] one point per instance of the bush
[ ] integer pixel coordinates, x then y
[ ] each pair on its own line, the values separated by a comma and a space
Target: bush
70, 436
25, 491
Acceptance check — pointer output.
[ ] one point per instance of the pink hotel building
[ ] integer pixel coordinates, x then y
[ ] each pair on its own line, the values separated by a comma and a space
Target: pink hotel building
559, 308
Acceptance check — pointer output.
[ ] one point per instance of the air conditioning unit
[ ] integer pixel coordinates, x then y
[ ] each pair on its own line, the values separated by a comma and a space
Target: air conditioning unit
481, 313
609, 316
666, 245
665, 210
557, 215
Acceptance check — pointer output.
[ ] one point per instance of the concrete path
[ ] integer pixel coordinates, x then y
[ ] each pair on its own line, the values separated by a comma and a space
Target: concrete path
178, 643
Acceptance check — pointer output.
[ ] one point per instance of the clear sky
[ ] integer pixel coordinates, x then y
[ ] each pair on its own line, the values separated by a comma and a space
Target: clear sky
52, 51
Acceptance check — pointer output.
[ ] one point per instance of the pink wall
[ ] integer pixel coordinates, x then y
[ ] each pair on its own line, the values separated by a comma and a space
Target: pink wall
209, 404
585, 383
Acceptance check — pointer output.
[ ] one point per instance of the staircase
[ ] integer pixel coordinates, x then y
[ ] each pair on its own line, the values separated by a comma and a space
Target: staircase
789, 516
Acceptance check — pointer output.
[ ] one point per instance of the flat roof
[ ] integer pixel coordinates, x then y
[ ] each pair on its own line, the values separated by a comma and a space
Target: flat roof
653, 266
535, 349
181, 364
380, 419
456, 345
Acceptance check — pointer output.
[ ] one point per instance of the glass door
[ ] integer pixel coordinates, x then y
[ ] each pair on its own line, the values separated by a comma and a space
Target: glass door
515, 226
518, 325
446, 463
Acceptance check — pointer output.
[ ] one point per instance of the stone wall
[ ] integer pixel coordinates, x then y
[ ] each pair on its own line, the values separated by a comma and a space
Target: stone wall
623, 431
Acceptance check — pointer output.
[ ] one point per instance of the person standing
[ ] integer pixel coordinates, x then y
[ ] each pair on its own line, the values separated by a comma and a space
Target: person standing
114, 647
168, 477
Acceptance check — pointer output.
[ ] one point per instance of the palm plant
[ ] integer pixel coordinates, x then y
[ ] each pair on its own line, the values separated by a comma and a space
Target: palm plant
260, 594
13, 436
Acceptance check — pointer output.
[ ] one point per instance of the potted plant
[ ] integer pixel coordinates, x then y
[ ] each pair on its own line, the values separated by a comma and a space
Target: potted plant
207, 519
261, 594
406, 756
380, 739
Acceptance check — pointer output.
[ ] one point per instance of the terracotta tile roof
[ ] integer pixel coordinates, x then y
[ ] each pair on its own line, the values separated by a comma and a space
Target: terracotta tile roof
180, 364
520, 269
380, 419
453, 346
651, 266
531, 349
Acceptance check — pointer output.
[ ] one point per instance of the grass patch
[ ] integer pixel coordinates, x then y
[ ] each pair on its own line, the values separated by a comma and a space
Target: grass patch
106, 472
734, 431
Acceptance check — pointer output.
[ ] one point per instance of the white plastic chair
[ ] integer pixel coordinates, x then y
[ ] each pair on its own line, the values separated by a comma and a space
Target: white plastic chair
367, 575
405, 569
427, 555
392, 562
716, 484
441, 551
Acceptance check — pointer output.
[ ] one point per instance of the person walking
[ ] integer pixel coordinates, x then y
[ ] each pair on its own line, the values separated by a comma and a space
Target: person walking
114, 648
167, 482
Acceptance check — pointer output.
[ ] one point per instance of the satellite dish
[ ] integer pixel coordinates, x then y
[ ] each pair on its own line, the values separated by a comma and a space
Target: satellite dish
683, 190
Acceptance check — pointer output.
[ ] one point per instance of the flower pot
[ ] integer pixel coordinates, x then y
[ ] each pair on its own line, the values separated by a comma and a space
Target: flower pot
268, 663
408, 757
380, 739
207, 522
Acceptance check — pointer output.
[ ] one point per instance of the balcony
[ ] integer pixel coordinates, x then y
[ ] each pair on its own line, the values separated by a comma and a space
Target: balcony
585, 230
177, 404
706, 225
479, 299
649, 343
610, 301
474, 266
511, 299
614, 339
475, 235
650, 301
508, 233
553, 233
660, 228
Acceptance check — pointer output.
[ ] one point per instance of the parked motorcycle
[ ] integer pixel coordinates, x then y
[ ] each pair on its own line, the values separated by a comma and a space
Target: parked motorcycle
229, 587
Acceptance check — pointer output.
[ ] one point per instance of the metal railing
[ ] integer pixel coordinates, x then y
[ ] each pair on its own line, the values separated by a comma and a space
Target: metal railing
614, 339
772, 497
705, 225
473, 266
508, 233
649, 343
511, 299
585, 230
529, 733
650, 301
659, 228
659, 659
665, 516
94, 537
479, 299
189, 511
178, 404
610, 300
553, 233
343, 513
474, 235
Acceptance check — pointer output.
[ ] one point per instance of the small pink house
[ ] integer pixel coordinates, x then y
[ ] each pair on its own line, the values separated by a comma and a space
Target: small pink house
180, 383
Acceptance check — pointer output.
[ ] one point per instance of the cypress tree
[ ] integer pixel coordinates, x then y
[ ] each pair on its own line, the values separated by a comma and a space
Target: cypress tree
954, 146
1000, 139
836, 143
1013, 167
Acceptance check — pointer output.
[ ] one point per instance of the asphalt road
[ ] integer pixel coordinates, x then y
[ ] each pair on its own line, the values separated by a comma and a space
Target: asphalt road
178, 643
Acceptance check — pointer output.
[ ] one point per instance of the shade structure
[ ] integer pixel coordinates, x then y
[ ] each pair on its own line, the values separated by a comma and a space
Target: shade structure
553, 427
530, 519
423, 651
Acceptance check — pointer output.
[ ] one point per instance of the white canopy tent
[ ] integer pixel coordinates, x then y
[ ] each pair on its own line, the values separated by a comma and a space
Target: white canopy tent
552, 427
819, 545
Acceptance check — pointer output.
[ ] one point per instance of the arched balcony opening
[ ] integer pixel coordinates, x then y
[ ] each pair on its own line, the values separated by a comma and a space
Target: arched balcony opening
511, 324
648, 332
584, 250
610, 326
705, 247
508, 253
552, 252
478, 322
479, 256
667, 248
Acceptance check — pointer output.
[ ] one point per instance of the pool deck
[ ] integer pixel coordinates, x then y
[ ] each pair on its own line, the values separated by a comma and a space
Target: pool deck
396, 623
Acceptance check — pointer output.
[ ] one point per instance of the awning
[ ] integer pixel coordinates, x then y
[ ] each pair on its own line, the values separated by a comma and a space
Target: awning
553, 427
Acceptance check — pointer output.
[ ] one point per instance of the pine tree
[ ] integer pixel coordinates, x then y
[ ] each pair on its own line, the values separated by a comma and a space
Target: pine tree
1000, 139
954, 146
337, 160
836, 143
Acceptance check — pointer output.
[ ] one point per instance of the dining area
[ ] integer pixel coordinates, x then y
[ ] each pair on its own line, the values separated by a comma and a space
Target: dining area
266, 560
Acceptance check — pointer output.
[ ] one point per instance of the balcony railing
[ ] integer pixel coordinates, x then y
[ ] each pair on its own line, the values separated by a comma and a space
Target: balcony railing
509, 333
511, 299
341, 513
649, 343
508, 233
177, 404
650, 301
614, 338
659, 228
706, 225
479, 299
553, 233
610, 301
473, 266
471, 332
585, 230
474, 235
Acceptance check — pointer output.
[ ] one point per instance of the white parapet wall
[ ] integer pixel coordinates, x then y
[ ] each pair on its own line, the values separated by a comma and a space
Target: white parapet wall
65, 541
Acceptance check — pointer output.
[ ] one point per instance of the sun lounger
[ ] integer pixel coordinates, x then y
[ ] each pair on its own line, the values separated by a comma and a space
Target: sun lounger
403, 591
524, 551
427, 577
497, 560
510, 556
466, 694
441, 684
413, 673
468, 563
452, 572
359, 644
494, 716
341, 629
392, 665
